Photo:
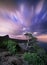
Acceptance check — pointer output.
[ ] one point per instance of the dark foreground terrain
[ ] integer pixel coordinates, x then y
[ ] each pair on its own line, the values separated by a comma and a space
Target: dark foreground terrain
22, 52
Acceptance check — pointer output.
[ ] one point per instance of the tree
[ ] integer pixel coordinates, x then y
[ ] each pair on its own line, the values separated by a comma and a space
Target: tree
31, 43
35, 55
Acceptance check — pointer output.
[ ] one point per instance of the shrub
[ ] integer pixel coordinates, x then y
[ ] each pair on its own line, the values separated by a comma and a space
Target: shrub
33, 58
11, 45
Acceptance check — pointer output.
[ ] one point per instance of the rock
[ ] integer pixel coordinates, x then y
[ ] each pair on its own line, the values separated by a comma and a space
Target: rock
2, 49
4, 54
23, 46
15, 61
7, 59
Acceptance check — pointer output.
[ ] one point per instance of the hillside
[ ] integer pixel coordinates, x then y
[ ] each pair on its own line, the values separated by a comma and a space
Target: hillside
21, 50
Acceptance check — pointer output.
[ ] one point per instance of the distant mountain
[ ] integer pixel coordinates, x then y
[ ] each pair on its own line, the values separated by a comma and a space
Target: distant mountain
20, 39
6, 36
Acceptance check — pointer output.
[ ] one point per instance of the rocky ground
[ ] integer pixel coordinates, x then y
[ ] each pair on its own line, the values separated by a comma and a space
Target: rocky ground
7, 59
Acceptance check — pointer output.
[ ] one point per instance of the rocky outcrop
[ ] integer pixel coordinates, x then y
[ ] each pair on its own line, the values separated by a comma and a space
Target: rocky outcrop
7, 59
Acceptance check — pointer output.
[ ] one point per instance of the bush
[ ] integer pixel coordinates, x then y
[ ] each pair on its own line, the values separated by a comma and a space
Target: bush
11, 45
33, 58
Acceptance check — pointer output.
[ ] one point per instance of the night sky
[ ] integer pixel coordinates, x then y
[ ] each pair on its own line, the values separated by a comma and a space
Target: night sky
20, 16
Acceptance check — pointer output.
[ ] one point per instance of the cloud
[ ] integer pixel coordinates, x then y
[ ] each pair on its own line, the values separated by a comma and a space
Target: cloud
39, 7
42, 38
9, 27
17, 19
